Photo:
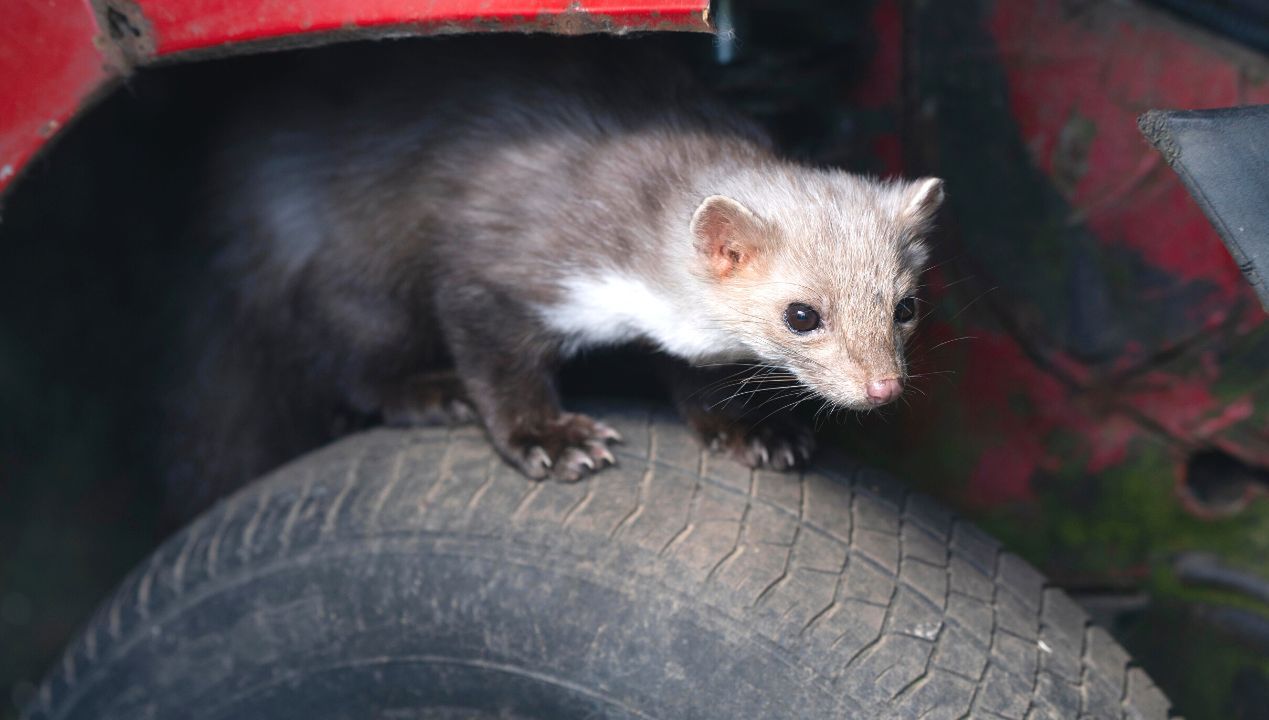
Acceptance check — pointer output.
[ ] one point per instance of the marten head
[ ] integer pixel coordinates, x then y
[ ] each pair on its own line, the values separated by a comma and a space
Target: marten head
817, 272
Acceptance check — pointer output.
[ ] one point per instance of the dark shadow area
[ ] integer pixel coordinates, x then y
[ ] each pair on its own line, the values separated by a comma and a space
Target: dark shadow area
1221, 483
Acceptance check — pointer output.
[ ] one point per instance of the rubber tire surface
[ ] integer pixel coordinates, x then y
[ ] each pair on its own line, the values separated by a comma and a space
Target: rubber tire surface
411, 574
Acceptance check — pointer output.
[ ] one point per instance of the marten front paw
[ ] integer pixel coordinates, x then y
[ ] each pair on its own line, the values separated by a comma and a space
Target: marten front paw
428, 399
565, 449
778, 444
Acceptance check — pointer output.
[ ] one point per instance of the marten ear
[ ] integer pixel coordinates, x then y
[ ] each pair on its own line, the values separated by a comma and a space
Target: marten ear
922, 200
726, 233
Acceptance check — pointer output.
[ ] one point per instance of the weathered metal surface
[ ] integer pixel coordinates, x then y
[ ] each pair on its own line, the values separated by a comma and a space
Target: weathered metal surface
1106, 310
56, 55
49, 67
181, 26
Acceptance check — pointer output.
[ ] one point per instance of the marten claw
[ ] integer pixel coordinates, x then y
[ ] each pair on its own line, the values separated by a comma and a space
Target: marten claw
774, 445
790, 460
600, 452
460, 412
764, 455
605, 432
574, 465
537, 462
566, 449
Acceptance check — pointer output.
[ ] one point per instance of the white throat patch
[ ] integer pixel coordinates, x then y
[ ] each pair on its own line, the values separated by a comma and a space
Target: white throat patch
614, 308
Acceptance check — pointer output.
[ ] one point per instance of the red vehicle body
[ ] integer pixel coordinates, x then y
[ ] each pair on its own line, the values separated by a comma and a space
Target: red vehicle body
56, 56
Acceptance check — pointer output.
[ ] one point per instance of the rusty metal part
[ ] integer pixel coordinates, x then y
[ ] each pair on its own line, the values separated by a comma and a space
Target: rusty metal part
1196, 568
1093, 312
1218, 485
1244, 626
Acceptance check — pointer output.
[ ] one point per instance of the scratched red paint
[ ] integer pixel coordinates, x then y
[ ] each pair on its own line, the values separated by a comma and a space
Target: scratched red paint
1004, 472
1080, 80
48, 69
1133, 351
1176, 403
1019, 409
1083, 77
50, 64
1022, 408
1231, 414
997, 379
1101, 72
1108, 442
183, 25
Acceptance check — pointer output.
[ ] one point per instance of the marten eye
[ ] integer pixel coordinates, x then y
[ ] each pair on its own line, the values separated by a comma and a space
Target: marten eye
905, 311
801, 318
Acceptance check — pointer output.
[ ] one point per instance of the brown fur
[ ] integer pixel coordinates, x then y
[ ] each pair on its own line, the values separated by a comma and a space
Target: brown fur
380, 227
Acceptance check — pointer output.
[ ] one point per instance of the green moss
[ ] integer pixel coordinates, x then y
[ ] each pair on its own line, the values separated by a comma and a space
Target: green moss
1123, 528
1196, 663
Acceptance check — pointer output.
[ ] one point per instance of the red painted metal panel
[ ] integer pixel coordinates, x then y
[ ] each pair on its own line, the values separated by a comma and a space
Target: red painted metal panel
1101, 77
1177, 356
184, 25
49, 67
1095, 78
53, 57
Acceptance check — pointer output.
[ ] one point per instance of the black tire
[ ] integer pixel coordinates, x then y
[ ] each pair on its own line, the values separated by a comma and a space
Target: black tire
412, 574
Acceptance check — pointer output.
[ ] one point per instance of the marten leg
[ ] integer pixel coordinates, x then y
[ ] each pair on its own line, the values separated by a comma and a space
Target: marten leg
428, 398
508, 373
743, 411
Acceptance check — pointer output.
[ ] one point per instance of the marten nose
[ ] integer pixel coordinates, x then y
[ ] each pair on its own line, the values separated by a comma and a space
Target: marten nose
883, 391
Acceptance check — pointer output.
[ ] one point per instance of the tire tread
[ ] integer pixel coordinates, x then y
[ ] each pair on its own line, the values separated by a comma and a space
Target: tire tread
879, 592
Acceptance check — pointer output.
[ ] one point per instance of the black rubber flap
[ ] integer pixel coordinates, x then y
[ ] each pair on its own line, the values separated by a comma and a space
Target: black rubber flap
1222, 156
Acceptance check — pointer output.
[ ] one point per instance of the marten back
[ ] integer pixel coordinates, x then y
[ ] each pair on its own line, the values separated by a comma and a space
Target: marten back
348, 183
